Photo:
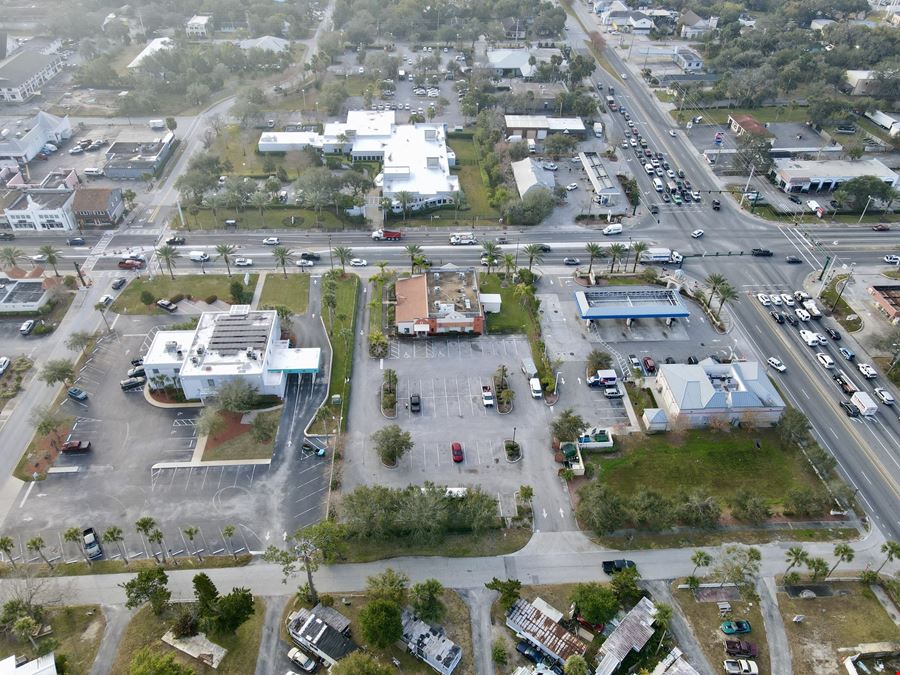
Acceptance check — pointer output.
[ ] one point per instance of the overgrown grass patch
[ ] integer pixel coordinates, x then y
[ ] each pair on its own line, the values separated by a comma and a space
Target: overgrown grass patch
476, 193
146, 630
237, 441
513, 316
292, 292
716, 463
278, 217
77, 631
762, 115
197, 286
490, 543
694, 539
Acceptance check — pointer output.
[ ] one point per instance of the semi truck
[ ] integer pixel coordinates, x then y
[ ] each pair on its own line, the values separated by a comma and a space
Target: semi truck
865, 403
813, 309
655, 254
382, 235
487, 396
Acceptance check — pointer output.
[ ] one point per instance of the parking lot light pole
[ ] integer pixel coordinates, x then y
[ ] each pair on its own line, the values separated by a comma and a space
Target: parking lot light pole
514, 435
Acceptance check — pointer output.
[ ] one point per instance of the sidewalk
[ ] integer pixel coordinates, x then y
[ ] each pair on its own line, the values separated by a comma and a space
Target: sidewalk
257, 292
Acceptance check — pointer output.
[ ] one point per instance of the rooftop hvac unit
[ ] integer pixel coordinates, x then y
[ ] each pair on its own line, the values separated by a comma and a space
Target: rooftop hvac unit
171, 345
195, 360
201, 349
437, 275
468, 304
437, 289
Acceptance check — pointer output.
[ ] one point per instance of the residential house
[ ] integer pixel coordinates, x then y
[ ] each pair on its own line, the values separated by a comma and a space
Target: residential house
796, 175
692, 26
618, 16
885, 121
40, 209
443, 300
532, 177
539, 127
199, 26
240, 344
747, 124
738, 392
674, 663
42, 665
543, 631
24, 73
268, 43
429, 643
23, 142
819, 24
862, 82
98, 207
632, 634
323, 631
514, 28
687, 59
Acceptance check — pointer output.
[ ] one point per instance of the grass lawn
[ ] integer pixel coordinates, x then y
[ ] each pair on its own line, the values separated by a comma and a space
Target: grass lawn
641, 399
842, 310
762, 115
146, 630
664, 96
832, 623
512, 317
376, 312
476, 193
714, 462
655, 540
238, 146
705, 621
342, 352
197, 286
892, 274
77, 630
464, 149
250, 219
292, 292
491, 543
884, 364
236, 442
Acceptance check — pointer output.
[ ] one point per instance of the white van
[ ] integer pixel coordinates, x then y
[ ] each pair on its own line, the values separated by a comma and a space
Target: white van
612, 229
528, 368
93, 172
658, 184
535, 386
810, 338
198, 256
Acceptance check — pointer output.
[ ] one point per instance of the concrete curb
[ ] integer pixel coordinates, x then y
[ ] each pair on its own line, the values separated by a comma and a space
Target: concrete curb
166, 406
219, 462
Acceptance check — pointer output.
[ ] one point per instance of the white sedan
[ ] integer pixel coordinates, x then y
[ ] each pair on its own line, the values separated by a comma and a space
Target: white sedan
271, 241
303, 262
243, 262
776, 299
696, 234
825, 360
763, 299
358, 262
672, 133
892, 259
776, 364
787, 299
572, 186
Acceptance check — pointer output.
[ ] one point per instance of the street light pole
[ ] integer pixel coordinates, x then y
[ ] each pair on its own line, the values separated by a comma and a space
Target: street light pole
869, 200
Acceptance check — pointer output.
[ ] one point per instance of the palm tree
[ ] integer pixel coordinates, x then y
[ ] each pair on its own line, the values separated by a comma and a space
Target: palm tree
714, 281
891, 550
662, 619
343, 254
36, 545
168, 254
420, 262
52, 255
404, 198
7, 544
726, 292
73, 535
156, 537
523, 292
10, 256
594, 250
190, 533
535, 254
225, 251
282, 255
491, 251
227, 534
113, 535
615, 252
844, 554
509, 262
382, 268
795, 555
700, 559
260, 200
101, 307
145, 526
414, 251
638, 247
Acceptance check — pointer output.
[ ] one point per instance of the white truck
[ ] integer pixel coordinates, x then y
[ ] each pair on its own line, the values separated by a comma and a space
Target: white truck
864, 402
813, 309
463, 239
487, 396
656, 254
157, 124
598, 129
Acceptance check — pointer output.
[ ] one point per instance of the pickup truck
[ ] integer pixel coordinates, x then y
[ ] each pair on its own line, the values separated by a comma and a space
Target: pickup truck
613, 566
761, 253
487, 396
845, 383
740, 648
91, 543
76, 446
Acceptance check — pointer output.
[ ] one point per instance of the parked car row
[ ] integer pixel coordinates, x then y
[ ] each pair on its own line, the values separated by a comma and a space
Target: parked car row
135, 378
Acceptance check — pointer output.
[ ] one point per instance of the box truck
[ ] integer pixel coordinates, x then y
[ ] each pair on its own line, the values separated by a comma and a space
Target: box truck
655, 254
598, 129
864, 402
813, 309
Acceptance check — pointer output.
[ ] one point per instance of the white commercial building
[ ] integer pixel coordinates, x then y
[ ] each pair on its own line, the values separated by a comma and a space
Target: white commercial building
415, 157
198, 26
20, 144
40, 210
796, 175
268, 43
42, 665
518, 62
531, 176
240, 344
155, 45
539, 127
23, 74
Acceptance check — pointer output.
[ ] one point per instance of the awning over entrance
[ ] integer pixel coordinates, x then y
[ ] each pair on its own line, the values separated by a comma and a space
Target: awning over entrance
299, 361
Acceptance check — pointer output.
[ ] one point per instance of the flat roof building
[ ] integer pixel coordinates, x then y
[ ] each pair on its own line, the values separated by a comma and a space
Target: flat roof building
540, 126
603, 183
531, 176
630, 302
429, 643
887, 299
198, 26
135, 154
23, 74
22, 295
795, 175
240, 344
268, 43
42, 665
41, 209
517, 62
443, 300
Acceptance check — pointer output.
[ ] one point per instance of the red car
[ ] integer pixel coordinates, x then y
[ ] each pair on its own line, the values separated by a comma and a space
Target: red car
881, 227
129, 264
649, 365
76, 446
457, 452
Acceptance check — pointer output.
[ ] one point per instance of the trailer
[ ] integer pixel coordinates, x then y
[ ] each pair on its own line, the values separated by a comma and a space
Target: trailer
382, 235
487, 396
813, 309
656, 254
864, 402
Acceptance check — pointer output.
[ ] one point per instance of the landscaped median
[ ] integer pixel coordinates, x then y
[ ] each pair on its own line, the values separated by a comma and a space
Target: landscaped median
140, 296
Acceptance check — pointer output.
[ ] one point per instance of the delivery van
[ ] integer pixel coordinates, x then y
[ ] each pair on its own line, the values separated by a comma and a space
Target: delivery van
528, 368
198, 256
535, 385
612, 229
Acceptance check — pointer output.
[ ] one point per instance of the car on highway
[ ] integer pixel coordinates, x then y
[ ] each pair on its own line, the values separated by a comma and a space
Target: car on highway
736, 627
118, 282
243, 262
572, 186
792, 260
27, 327
787, 299
571, 261
847, 354
850, 409
76, 394
821, 338
358, 262
763, 299
39, 258
301, 660
456, 452
867, 371
176, 241
802, 314
761, 253
672, 133
91, 543
892, 259
886, 397
791, 319
271, 241
778, 316
776, 364
129, 264
696, 234
716, 204
740, 667
825, 360
75, 241
833, 334
613, 566
881, 227
776, 299
4, 364
309, 255
676, 198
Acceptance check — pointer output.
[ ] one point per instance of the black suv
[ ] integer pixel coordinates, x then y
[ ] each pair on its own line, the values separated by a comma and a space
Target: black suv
761, 253
175, 241
6, 236
308, 255
613, 566
415, 403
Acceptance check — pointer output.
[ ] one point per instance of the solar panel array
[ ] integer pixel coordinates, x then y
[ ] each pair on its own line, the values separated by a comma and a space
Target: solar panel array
235, 333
